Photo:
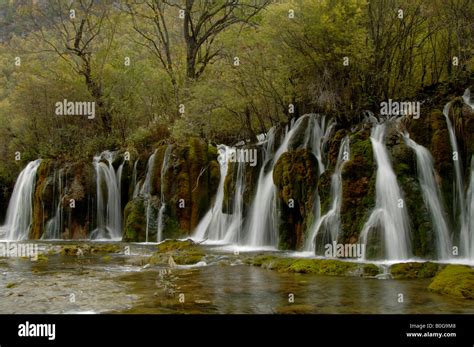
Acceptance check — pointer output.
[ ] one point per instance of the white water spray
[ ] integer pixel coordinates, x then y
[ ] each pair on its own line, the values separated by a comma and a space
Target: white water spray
19, 217
388, 213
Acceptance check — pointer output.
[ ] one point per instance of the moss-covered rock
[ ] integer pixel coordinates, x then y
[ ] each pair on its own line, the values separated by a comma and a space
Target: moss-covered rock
189, 184
43, 199
70, 186
327, 267
89, 248
295, 175
413, 270
134, 225
454, 280
182, 253
358, 192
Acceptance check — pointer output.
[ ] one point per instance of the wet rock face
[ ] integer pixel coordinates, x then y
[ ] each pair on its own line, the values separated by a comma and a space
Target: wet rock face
68, 192
295, 176
135, 221
70, 186
358, 193
188, 185
431, 131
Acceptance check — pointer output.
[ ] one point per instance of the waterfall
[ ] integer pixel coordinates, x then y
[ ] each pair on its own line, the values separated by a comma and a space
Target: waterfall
214, 225
470, 214
431, 197
146, 187
19, 215
145, 191
109, 210
262, 225
134, 180
331, 220
164, 168
317, 135
234, 233
463, 203
54, 226
458, 206
387, 213
316, 138
467, 230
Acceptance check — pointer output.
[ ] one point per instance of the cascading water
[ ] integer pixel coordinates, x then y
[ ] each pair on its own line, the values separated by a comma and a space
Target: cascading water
431, 197
458, 206
388, 214
54, 226
214, 225
330, 222
262, 225
235, 228
145, 191
462, 205
470, 214
19, 215
109, 211
161, 212
135, 186
316, 137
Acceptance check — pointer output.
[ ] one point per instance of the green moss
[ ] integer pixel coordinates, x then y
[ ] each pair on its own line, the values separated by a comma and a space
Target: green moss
182, 252
414, 270
371, 270
322, 267
42, 198
173, 245
188, 257
327, 267
295, 176
358, 180
454, 280
134, 221
42, 258
73, 250
85, 249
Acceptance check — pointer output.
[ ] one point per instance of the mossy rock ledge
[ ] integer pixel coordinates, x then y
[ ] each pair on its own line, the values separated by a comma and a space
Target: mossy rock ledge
327, 267
454, 280
182, 252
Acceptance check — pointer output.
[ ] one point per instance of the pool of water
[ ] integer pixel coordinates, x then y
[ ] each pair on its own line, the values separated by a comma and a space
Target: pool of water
117, 283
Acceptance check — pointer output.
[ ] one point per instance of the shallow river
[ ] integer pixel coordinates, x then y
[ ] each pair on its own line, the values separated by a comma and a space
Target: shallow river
115, 284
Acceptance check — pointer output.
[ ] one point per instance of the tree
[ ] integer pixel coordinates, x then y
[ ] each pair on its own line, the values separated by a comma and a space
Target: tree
151, 21
204, 20
70, 29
